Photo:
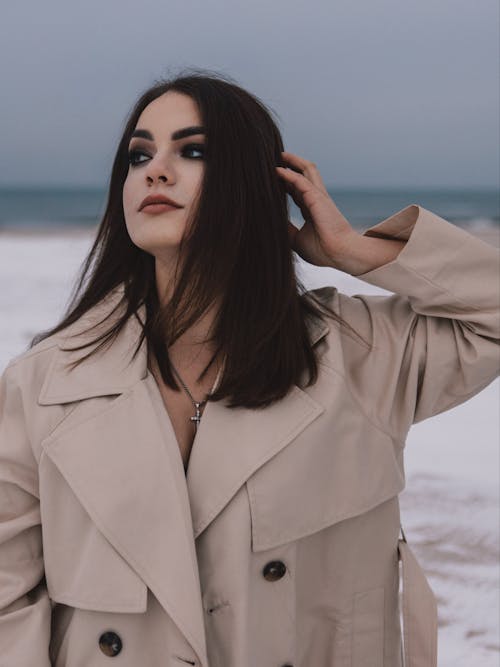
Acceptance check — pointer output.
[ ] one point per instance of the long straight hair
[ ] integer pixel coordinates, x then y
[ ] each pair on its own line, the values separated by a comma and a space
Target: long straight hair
236, 248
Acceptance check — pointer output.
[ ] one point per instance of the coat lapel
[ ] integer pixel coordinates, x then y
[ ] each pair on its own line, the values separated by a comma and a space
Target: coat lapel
231, 444
120, 457
116, 463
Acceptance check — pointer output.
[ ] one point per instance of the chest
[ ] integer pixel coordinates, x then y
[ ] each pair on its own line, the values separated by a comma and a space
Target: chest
180, 409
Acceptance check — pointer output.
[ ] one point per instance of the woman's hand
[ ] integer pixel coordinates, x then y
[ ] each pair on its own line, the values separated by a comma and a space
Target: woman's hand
326, 232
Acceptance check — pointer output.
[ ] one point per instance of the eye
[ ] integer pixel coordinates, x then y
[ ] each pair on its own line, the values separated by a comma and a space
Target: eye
200, 148
133, 155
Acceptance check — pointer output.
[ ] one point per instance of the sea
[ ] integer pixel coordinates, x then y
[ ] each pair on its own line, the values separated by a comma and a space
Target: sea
43, 208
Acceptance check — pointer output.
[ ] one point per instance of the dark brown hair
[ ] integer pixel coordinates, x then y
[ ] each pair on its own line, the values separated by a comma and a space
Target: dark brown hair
237, 246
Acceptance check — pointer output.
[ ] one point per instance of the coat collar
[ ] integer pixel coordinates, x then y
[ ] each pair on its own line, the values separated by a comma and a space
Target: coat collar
121, 459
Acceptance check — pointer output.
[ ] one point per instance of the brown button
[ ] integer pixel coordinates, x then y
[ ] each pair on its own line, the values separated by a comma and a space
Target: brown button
274, 570
110, 643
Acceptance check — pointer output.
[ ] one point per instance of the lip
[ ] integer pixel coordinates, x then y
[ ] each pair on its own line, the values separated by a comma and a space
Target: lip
159, 208
159, 199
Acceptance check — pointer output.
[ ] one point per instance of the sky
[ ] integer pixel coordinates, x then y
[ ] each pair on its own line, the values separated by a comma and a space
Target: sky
377, 94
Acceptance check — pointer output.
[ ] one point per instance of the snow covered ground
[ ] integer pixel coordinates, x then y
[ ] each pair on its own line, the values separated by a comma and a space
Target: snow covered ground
450, 507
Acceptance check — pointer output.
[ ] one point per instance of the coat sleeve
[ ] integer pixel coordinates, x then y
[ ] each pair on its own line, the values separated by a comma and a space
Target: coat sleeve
433, 343
25, 608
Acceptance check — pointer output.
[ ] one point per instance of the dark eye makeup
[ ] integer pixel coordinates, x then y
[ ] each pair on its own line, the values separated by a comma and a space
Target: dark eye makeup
134, 153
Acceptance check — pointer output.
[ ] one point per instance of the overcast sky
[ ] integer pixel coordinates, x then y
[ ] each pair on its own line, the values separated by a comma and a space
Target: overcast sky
376, 92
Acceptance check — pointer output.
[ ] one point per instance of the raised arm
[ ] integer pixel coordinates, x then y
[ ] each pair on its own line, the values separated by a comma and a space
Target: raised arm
434, 343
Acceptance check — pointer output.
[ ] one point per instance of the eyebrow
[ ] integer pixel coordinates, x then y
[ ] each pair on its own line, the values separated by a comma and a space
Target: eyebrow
178, 134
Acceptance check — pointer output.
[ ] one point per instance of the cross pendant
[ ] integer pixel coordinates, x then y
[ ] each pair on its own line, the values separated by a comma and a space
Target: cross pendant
197, 417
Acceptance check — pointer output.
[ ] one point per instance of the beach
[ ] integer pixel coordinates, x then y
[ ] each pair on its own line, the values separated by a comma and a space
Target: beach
450, 506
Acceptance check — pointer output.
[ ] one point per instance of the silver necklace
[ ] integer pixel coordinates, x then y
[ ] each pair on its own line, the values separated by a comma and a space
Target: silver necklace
197, 404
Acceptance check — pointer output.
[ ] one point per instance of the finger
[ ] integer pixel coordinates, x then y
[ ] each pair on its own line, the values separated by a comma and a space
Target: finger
303, 186
295, 159
286, 163
290, 188
307, 168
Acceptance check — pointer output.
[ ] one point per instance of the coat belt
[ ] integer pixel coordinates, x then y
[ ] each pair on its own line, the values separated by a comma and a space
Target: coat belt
420, 624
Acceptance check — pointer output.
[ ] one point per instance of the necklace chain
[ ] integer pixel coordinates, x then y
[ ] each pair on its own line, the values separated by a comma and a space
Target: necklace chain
196, 418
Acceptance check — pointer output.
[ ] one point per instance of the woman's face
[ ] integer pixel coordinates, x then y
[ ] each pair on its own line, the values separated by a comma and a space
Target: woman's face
163, 164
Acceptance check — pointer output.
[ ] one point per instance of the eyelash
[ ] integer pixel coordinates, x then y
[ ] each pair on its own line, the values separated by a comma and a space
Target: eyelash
132, 154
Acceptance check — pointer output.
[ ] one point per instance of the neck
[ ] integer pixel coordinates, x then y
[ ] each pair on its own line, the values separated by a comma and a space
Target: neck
194, 341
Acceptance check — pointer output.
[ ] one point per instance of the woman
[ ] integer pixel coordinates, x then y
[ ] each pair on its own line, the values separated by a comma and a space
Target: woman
215, 482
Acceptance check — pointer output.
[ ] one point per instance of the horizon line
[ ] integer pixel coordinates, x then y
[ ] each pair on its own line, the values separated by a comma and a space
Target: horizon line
344, 186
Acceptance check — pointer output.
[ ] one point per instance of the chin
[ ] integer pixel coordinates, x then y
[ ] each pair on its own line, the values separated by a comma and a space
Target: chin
156, 234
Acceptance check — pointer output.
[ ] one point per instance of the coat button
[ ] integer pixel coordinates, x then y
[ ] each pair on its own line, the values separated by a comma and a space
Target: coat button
274, 570
110, 643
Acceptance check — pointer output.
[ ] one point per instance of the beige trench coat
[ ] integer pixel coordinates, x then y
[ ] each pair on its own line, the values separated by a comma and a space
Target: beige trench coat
280, 546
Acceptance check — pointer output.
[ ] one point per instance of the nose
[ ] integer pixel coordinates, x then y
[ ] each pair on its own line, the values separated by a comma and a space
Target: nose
159, 170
